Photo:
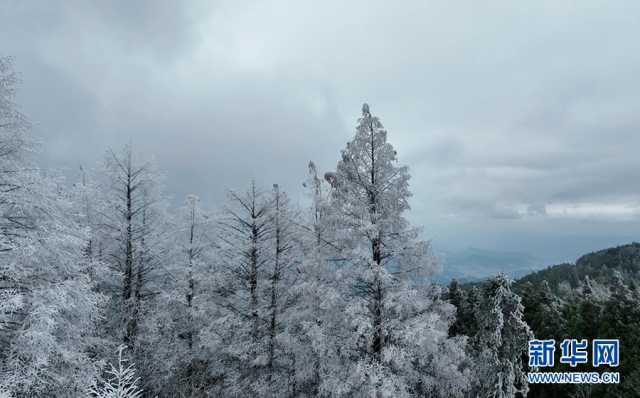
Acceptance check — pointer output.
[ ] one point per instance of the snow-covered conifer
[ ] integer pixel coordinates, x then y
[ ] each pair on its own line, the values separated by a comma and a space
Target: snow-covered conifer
398, 325
240, 290
49, 309
121, 380
502, 341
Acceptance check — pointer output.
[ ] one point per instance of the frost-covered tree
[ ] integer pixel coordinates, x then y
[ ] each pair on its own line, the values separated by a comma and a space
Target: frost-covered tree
621, 318
14, 175
255, 293
314, 325
283, 231
122, 381
48, 309
194, 241
542, 311
14, 146
318, 190
282, 275
371, 193
132, 240
237, 333
501, 341
130, 222
184, 305
398, 328
52, 308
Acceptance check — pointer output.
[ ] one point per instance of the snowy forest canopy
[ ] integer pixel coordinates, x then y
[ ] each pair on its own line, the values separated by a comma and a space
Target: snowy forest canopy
108, 291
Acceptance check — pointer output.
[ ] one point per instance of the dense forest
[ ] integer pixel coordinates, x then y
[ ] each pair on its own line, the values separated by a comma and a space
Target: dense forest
106, 290
594, 298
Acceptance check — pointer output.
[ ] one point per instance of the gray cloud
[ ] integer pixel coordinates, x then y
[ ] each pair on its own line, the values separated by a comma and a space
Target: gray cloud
506, 114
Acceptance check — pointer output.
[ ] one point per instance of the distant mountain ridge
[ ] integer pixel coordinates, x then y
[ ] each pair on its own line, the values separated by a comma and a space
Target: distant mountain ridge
598, 266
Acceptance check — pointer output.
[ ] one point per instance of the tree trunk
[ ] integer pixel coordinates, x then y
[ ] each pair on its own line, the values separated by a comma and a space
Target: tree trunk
378, 335
128, 265
253, 280
191, 288
377, 291
274, 284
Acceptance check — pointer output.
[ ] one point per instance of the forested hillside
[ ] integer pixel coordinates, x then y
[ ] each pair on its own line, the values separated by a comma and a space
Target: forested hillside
598, 266
597, 297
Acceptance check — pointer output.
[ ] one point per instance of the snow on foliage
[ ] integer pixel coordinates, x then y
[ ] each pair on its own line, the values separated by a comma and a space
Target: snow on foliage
262, 299
121, 380
50, 308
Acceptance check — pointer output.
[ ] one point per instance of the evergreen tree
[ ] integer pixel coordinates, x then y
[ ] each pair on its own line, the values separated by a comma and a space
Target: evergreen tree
542, 311
502, 341
589, 310
122, 382
48, 308
132, 241
282, 279
238, 333
390, 351
621, 320
457, 298
131, 236
315, 328
184, 306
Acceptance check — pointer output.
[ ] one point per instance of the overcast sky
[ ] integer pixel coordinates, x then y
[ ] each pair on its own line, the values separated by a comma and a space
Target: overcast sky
519, 120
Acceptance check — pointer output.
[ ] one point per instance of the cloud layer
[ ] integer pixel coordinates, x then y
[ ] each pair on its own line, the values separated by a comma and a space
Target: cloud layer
519, 121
